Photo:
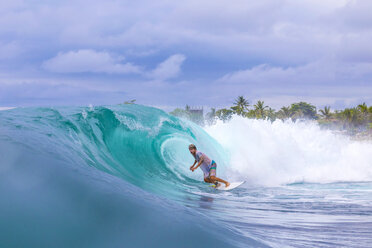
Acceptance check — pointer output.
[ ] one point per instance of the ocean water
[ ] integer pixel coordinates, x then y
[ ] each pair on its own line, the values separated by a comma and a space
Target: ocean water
118, 176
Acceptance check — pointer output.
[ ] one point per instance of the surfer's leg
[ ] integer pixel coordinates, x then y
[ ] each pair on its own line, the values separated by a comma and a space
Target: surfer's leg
207, 180
214, 179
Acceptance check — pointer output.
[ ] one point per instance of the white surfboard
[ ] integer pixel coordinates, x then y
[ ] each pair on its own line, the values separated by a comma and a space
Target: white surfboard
233, 185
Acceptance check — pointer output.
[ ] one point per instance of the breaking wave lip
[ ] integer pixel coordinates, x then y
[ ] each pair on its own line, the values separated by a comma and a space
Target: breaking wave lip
284, 152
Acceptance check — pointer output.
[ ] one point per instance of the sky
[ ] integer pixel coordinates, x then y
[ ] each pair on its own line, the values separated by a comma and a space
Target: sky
172, 53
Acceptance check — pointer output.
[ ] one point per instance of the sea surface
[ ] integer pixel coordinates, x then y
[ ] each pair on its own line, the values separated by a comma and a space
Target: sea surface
118, 176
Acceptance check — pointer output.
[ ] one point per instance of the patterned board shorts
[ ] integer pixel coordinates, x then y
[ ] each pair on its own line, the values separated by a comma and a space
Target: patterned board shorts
212, 170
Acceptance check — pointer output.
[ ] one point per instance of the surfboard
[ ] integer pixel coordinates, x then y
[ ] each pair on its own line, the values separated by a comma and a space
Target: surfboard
232, 185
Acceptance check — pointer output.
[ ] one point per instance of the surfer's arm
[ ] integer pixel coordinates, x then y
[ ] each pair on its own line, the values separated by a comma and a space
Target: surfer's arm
200, 162
192, 166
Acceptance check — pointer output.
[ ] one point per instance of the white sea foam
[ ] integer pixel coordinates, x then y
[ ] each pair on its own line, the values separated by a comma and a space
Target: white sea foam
6, 108
286, 152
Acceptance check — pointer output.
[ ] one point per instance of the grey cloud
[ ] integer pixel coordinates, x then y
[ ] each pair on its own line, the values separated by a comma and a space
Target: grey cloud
281, 31
322, 72
274, 46
273, 28
86, 60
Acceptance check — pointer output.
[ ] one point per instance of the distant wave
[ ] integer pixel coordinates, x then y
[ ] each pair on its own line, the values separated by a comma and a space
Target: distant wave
6, 108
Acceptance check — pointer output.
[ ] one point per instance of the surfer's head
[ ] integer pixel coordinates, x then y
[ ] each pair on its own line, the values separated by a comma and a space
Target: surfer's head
192, 149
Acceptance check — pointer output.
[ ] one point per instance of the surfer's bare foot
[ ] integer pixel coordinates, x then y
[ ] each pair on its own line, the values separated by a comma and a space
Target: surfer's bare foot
227, 184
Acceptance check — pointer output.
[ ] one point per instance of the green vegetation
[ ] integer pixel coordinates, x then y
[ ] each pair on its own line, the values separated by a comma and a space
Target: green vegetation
130, 102
195, 115
224, 114
180, 113
326, 112
303, 110
241, 106
354, 120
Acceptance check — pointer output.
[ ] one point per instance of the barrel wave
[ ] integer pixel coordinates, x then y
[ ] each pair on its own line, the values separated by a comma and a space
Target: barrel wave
102, 177
118, 176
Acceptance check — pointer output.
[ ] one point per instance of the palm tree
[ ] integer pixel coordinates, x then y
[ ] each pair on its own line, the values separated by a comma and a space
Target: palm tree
326, 112
260, 108
285, 113
271, 115
352, 116
297, 114
241, 106
363, 108
250, 114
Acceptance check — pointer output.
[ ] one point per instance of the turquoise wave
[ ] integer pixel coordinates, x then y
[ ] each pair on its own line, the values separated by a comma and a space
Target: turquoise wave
104, 176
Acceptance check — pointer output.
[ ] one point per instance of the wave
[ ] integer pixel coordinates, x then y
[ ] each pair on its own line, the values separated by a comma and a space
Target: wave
288, 152
116, 174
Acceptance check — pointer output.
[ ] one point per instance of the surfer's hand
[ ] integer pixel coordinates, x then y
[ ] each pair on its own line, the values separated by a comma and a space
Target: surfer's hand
191, 167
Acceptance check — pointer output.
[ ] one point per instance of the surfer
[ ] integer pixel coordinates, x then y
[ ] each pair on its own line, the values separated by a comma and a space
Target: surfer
207, 165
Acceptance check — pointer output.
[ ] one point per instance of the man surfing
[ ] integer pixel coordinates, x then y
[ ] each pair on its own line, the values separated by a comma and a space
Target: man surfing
207, 165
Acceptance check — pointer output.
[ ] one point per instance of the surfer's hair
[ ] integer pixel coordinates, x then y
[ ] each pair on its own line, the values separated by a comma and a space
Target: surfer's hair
192, 146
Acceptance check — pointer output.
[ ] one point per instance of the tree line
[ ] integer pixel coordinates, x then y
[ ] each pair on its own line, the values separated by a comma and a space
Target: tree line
358, 118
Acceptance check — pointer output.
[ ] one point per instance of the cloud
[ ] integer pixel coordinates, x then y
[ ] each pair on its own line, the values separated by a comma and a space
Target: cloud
170, 68
322, 72
294, 31
301, 48
325, 82
88, 61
